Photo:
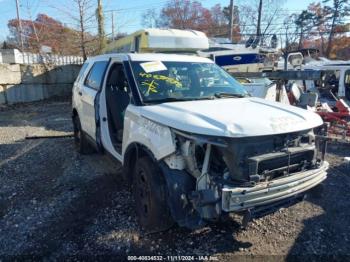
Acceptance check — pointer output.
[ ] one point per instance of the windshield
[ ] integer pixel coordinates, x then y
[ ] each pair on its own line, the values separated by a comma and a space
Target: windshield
176, 81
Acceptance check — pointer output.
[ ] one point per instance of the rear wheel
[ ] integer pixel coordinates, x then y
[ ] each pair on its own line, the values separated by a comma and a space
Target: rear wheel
81, 143
149, 190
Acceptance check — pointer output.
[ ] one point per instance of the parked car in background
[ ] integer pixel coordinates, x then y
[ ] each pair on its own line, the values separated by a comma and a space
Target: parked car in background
193, 143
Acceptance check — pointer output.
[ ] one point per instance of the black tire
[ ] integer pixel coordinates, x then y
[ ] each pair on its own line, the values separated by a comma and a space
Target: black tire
150, 194
81, 143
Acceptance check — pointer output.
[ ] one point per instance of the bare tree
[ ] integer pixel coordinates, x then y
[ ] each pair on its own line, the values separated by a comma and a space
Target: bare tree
304, 23
337, 12
271, 16
150, 18
320, 27
221, 21
289, 33
82, 19
33, 25
321, 23
189, 14
82, 15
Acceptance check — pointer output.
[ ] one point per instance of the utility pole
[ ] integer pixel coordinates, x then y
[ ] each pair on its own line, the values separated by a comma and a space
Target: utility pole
112, 25
19, 29
34, 28
258, 28
231, 20
100, 20
112, 13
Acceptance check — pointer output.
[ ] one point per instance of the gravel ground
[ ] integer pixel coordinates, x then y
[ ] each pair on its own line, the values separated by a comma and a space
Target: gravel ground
55, 202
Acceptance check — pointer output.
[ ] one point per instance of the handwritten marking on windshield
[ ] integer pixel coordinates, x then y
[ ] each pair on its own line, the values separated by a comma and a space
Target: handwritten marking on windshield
163, 78
152, 86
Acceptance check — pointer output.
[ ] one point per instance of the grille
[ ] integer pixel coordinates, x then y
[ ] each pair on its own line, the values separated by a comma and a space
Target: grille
285, 161
276, 164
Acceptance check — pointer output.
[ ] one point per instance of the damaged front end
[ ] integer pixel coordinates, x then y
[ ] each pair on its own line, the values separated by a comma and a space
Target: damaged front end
209, 176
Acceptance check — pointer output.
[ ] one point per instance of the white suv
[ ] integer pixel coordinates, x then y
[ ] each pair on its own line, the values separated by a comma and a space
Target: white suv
193, 143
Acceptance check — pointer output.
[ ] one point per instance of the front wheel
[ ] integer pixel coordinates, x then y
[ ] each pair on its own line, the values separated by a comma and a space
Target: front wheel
149, 191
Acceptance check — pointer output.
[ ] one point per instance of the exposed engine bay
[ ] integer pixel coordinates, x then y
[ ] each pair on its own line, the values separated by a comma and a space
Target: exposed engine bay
236, 174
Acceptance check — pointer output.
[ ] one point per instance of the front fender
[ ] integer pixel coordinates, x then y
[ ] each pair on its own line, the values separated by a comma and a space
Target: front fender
156, 137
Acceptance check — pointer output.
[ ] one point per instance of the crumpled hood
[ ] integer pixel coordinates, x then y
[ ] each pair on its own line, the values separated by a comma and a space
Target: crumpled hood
232, 117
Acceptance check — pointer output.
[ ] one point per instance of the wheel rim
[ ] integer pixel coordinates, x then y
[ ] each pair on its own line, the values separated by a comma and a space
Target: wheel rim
142, 194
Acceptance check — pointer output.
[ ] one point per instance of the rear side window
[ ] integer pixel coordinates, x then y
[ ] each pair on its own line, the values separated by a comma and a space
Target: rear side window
95, 76
82, 71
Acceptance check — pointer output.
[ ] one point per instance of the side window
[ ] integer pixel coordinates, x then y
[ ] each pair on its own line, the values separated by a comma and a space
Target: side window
82, 71
95, 76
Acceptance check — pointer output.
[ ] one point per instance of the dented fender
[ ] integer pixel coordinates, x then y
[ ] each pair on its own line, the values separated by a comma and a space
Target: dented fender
156, 137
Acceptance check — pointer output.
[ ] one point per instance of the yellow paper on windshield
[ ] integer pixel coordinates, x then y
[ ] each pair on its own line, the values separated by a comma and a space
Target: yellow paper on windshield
153, 66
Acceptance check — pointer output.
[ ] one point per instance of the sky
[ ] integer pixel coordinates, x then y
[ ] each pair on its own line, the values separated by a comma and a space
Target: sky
127, 18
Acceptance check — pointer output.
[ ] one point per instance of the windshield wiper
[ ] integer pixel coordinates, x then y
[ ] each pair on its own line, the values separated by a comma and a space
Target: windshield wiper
224, 94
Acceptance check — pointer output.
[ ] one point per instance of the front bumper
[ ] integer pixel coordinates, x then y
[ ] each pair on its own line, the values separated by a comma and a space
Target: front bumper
243, 198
